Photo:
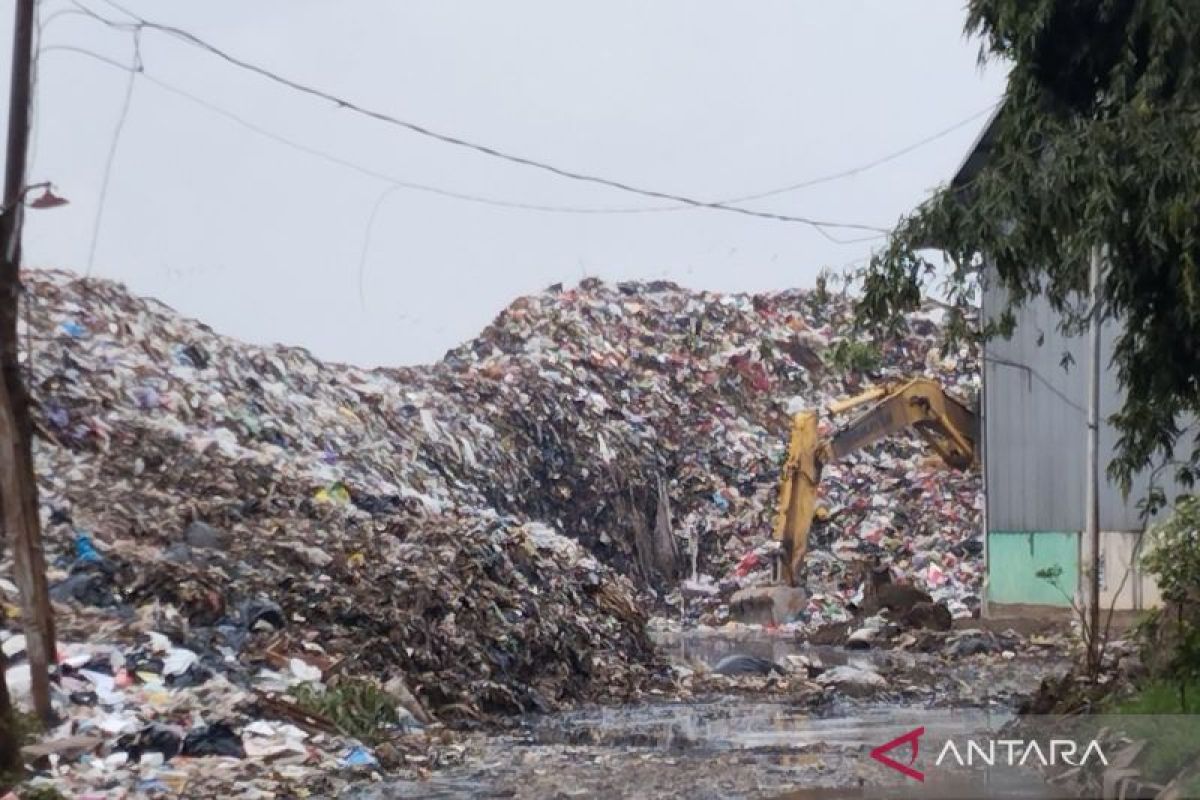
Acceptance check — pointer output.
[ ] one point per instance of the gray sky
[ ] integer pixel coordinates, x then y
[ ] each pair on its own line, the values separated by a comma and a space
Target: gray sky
707, 98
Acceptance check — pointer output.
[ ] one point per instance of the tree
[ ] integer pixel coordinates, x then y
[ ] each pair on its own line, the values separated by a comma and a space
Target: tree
1097, 143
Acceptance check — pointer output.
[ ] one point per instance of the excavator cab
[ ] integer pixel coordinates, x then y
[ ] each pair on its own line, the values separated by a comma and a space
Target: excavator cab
949, 427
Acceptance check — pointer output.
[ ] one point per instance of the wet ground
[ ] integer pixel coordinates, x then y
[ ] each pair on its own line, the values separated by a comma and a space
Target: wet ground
773, 743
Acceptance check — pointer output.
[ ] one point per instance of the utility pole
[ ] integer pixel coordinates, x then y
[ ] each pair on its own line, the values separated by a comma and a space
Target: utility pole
1092, 511
18, 486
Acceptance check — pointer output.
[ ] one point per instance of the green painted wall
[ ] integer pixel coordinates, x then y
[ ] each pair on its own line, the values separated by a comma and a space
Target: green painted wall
1015, 557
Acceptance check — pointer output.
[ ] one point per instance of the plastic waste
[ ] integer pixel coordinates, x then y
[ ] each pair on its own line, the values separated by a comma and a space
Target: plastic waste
154, 738
259, 614
85, 551
740, 664
217, 739
359, 757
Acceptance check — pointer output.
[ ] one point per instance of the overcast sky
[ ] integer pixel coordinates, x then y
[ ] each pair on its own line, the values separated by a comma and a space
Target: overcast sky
712, 99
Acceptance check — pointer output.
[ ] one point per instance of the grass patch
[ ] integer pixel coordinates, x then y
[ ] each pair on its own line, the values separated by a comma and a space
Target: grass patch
42, 793
1159, 697
358, 708
1168, 755
24, 729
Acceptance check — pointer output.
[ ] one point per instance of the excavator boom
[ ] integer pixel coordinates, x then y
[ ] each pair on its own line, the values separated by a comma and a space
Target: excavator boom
920, 404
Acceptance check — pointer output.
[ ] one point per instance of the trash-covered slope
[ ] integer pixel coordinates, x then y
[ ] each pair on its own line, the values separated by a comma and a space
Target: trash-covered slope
635, 419
321, 498
600, 394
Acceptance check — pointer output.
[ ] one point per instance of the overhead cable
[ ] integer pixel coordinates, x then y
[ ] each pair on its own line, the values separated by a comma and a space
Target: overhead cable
343, 103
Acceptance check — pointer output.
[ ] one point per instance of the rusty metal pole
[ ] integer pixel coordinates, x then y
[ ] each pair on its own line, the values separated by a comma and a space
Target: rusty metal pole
18, 485
1092, 507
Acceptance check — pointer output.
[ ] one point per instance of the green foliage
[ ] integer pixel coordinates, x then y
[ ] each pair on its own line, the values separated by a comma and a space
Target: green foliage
1097, 144
1173, 554
1053, 576
852, 355
42, 793
821, 296
19, 729
1156, 697
1169, 754
358, 708
27, 726
1174, 561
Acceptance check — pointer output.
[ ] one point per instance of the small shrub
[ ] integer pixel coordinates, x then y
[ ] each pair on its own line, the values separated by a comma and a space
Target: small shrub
1173, 558
42, 793
358, 708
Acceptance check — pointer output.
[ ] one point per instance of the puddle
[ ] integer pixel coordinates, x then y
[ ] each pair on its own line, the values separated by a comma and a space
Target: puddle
689, 648
732, 747
739, 724
724, 748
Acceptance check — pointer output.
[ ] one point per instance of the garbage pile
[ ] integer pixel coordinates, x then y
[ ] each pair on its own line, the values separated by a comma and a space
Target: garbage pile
644, 421
145, 717
230, 492
484, 532
642, 412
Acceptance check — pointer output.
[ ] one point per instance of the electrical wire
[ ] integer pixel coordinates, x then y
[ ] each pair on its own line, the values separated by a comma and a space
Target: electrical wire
1031, 372
566, 209
366, 244
134, 69
821, 226
394, 183
849, 173
370, 172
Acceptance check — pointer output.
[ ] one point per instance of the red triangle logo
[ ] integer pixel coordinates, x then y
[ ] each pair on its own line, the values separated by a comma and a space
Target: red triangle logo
911, 738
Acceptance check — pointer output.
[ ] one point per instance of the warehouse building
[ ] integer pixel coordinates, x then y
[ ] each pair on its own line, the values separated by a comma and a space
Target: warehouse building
1034, 409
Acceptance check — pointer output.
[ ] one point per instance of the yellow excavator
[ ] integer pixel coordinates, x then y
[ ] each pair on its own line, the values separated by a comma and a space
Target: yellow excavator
920, 404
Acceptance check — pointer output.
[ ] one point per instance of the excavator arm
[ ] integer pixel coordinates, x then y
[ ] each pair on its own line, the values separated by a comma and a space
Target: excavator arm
920, 404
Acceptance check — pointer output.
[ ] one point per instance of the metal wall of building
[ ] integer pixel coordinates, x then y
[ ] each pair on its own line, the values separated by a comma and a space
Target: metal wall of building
1035, 423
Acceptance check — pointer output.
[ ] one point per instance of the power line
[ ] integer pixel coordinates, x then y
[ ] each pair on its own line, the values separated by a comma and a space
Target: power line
334, 159
114, 145
349, 105
370, 172
1033, 373
394, 184
565, 209
848, 173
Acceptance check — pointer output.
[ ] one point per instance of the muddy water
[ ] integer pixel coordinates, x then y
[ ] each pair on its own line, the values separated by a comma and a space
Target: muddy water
723, 747
692, 649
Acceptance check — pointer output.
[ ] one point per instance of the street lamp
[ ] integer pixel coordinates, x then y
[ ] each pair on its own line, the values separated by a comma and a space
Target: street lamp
47, 199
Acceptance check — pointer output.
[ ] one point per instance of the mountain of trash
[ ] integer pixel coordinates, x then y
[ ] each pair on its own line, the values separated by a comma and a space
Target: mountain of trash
486, 527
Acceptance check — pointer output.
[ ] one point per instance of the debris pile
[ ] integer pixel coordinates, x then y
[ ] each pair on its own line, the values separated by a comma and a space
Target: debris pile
213, 476
466, 528
642, 412
145, 717
645, 421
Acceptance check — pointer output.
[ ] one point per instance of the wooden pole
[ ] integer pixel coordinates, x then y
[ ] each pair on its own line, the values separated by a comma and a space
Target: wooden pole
18, 486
